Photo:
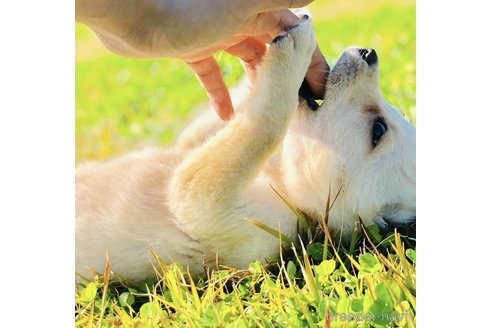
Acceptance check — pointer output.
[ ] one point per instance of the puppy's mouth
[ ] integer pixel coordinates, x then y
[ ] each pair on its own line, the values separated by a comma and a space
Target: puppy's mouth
348, 64
307, 95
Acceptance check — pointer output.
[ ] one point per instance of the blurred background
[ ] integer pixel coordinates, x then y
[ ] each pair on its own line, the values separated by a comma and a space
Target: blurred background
124, 104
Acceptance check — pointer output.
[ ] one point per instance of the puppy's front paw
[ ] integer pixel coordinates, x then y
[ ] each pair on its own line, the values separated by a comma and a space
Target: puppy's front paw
290, 53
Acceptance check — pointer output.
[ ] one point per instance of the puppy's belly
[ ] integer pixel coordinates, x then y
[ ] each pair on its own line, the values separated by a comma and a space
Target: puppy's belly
121, 207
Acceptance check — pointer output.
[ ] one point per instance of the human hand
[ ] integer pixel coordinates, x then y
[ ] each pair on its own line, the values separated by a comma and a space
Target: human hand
250, 48
193, 30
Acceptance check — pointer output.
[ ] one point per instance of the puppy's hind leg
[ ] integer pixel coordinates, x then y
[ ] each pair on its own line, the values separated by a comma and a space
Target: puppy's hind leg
212, 178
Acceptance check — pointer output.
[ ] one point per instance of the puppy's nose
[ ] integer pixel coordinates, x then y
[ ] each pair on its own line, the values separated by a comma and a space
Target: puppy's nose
369, 55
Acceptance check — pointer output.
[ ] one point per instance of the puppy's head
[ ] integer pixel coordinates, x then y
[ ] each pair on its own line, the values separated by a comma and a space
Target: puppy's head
356, 147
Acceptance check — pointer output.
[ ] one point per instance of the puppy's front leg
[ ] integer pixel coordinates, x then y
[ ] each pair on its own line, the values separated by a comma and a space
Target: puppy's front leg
211, 179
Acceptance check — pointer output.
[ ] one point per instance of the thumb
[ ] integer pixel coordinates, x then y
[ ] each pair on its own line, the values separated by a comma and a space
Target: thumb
208, 73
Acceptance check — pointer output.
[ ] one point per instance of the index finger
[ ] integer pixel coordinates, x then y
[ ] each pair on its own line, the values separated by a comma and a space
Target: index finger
210, 77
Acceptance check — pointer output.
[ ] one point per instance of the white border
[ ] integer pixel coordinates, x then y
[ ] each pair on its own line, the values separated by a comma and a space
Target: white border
37, 163
454, 163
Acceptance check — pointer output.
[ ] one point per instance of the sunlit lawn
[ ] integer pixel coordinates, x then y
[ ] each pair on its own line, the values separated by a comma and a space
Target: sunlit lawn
125, 103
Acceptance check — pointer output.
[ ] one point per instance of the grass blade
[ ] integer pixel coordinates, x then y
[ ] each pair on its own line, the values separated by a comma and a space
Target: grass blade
271, 231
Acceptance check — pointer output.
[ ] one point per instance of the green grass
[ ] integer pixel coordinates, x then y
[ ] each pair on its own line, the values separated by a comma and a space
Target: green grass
122, 104
367, 286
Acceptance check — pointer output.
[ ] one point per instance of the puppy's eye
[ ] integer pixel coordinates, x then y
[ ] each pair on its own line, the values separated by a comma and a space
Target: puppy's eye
378, 130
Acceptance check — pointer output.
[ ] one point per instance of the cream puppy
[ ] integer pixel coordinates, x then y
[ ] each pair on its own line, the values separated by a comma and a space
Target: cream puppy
191, 203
